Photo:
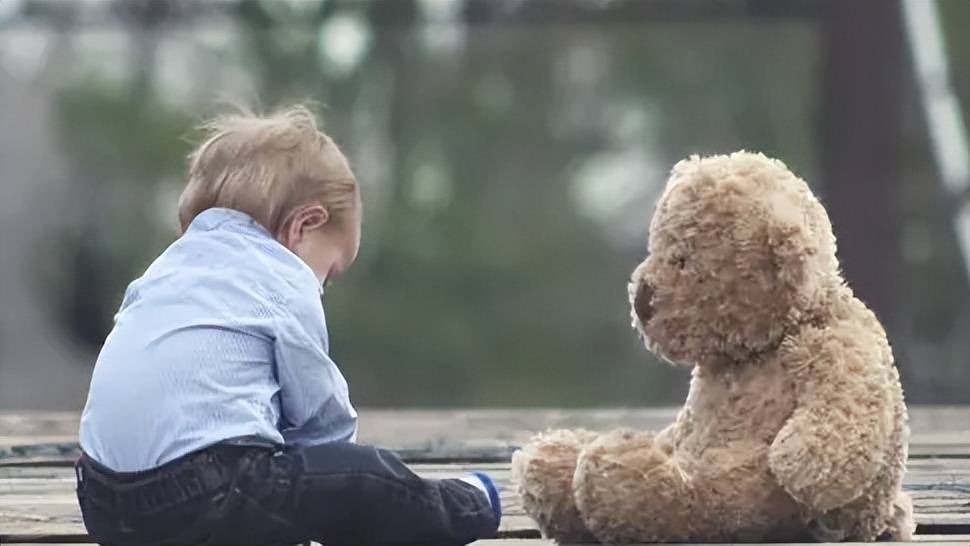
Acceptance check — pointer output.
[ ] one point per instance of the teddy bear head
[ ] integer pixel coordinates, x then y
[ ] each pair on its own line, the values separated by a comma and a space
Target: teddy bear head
739, 250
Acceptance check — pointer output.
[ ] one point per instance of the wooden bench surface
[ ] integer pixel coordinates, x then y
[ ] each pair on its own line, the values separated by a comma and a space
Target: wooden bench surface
37, 501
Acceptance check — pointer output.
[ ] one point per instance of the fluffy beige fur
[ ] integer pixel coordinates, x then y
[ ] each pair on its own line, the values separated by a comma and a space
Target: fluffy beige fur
794, 427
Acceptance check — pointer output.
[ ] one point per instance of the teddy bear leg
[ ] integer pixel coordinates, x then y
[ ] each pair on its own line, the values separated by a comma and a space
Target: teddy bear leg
543, 471
629, 490
901, 525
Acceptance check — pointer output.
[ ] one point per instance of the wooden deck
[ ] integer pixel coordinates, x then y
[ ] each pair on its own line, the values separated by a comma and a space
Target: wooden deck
37, 503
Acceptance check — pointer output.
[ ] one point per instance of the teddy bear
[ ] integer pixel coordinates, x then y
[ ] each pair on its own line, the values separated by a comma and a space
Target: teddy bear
794, 427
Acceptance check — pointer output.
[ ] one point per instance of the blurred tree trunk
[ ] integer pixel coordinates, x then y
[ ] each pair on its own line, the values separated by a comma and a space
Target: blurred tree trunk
143, 19
40, 367
864, 62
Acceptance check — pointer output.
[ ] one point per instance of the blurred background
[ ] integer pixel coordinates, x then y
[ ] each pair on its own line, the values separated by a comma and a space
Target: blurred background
510, 153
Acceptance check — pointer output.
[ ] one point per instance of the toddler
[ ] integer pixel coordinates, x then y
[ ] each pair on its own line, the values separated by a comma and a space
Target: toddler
215, 413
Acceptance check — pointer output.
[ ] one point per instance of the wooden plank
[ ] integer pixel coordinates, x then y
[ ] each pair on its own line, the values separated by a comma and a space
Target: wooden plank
957, 540
929, 540
480, 435
40, 500
960, 540
37, 499
539, 542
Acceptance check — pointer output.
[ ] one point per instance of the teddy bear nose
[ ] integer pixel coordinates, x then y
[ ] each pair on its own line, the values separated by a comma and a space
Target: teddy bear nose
641, 303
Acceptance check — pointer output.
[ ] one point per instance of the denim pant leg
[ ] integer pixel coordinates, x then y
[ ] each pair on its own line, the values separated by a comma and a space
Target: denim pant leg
355, 495
239, 507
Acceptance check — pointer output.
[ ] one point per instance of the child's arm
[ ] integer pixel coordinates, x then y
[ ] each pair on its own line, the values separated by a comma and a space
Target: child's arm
313, 393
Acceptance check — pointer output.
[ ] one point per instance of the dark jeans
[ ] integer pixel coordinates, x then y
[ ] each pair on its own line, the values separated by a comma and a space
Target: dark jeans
338, 494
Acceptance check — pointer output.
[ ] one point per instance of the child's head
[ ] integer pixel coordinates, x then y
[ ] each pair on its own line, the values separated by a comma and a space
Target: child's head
288, 176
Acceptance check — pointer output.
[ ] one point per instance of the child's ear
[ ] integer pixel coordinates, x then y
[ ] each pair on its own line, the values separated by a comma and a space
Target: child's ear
302, 220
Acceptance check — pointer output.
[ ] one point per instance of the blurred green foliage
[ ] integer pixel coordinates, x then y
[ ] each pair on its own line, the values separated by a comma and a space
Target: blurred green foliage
483, 278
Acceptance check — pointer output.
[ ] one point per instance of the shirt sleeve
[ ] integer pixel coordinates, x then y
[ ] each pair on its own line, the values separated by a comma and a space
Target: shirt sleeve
314, 397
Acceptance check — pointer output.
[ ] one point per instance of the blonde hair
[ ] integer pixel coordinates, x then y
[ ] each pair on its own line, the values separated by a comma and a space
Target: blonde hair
266, 166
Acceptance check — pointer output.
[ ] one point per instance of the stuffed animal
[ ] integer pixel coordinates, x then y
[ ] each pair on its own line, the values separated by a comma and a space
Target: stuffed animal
794, 427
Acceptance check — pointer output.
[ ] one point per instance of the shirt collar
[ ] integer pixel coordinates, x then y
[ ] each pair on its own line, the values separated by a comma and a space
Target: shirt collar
210, 219
216, 216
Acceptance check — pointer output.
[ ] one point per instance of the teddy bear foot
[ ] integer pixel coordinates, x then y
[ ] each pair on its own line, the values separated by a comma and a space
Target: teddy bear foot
543, 470
843, 525
628, 489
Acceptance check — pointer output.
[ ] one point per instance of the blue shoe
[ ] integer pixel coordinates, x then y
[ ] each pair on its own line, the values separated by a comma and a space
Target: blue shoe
492, 491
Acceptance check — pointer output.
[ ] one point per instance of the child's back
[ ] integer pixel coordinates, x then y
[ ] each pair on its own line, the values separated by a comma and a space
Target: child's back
203, 346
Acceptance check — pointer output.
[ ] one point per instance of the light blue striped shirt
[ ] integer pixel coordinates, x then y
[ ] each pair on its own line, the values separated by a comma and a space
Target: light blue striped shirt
223, 336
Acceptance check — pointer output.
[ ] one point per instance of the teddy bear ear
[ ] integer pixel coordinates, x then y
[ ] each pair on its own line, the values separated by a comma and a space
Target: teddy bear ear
802, 259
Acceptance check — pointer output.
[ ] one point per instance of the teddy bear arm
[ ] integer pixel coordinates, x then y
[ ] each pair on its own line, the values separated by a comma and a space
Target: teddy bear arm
832, 446
820, 469
830, 449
